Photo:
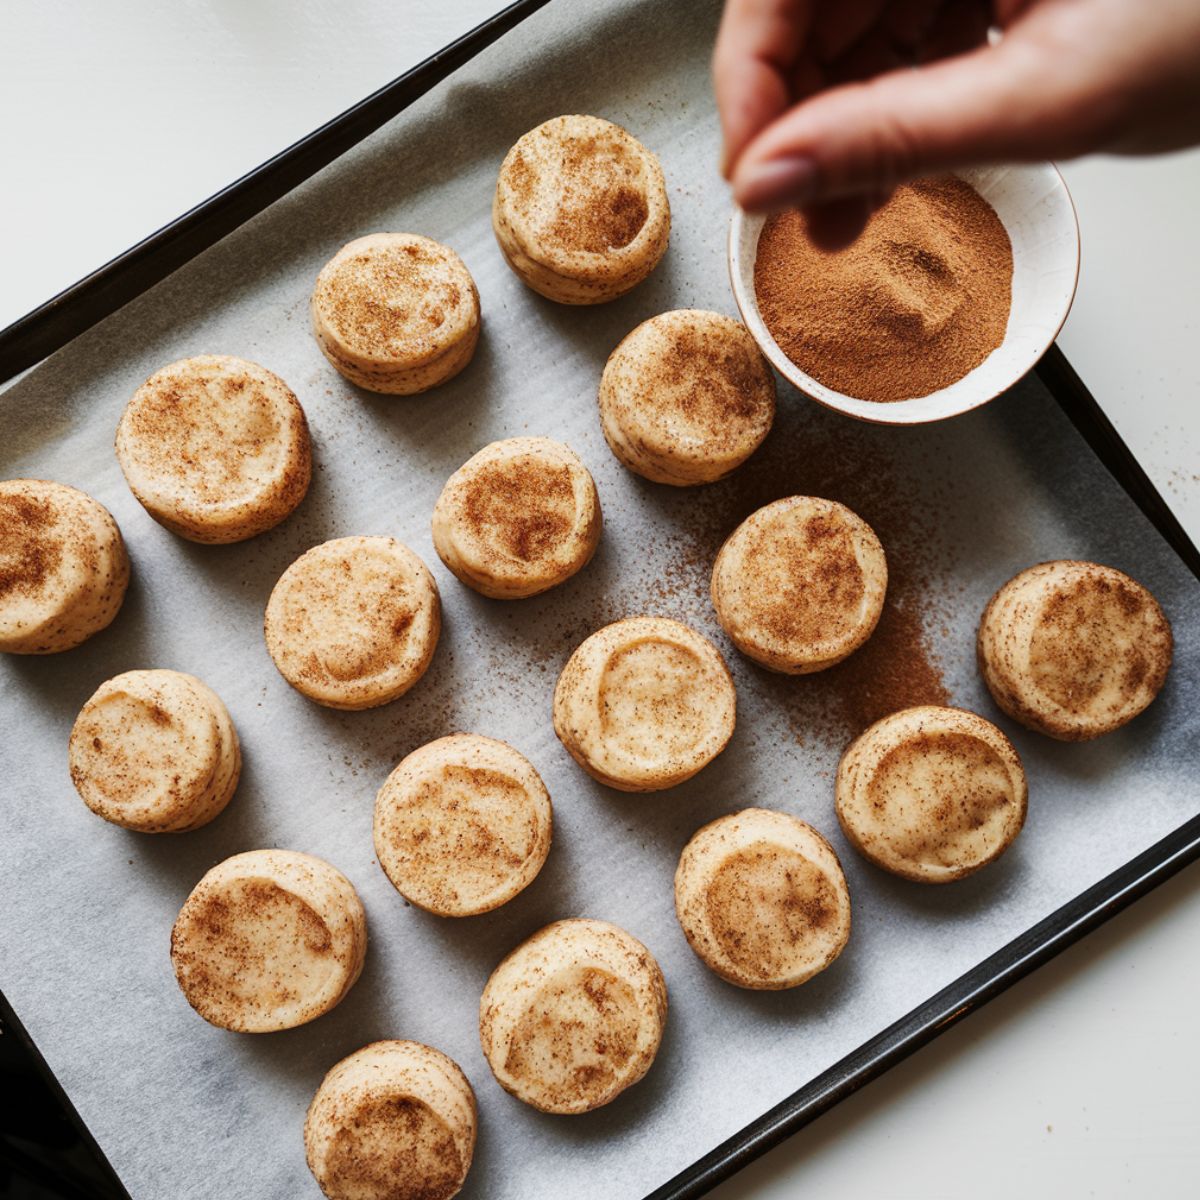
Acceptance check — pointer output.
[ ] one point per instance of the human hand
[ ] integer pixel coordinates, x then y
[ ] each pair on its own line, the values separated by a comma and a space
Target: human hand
819, 102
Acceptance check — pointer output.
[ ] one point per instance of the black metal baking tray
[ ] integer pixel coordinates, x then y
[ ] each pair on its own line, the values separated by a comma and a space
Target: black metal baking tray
101, 293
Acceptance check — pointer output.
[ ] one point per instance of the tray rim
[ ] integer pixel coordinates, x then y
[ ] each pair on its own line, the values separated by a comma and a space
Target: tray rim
48, 328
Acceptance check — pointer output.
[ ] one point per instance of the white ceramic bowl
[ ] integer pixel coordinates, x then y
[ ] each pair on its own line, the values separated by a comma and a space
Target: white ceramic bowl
1035, 207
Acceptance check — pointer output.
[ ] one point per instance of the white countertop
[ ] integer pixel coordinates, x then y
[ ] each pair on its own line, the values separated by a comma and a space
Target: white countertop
1078, 1081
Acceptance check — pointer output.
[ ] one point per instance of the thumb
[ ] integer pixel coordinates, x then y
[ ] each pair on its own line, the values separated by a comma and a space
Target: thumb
997, 103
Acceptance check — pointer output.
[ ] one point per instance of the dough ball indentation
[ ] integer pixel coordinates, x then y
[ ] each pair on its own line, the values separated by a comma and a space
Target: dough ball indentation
462, 825
686, 398
353, 623
644, 704
1074, 649
577, 1035
573, 1016
931, 794
800, 584
215, 448
762, 899
518, 518
393, 1121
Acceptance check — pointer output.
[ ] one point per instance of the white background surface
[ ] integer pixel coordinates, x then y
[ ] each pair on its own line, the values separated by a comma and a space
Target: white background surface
1079, 1081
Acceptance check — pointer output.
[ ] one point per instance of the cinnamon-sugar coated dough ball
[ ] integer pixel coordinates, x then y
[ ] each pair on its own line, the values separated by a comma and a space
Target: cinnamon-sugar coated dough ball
462, 825
518, 518
63, 567
762, 899
1074, 649
353, 623
799, 585
580, 210
392, 1121
215, 448
269, 940
686, 397
931, 793
396, 313
573, 1016
644, 703
155, 751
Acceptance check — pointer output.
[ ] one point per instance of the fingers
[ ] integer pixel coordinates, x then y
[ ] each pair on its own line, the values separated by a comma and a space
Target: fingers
907, 22
957, 26
758, 46
872, 55
995, 103
837, 223
837, 26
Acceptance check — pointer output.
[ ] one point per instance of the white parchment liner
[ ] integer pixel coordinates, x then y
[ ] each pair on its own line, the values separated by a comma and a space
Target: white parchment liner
184, 1110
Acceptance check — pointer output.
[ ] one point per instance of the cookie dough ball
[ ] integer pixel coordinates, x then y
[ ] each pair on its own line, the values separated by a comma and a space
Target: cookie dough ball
644, 703
573, 1016
215, 448
686, 398
518, 518
799, 584
155, 751
762, 899
462, 825
931, 794
396, 313
353, 623
581, 210
63, 567
269, 940
393, 1121
1073, 649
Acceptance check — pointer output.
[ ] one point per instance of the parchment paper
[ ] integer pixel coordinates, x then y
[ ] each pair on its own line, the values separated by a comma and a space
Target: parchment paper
185, 1110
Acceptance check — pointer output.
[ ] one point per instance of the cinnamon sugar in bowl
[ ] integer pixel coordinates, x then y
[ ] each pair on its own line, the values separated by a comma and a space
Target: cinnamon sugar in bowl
1035, 211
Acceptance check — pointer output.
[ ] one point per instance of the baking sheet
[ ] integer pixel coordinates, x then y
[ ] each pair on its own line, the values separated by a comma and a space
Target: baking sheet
185, 1110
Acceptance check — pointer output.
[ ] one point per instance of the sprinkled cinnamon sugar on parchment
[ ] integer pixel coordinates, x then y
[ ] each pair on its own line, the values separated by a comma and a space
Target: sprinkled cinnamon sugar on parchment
808, 453
898, 666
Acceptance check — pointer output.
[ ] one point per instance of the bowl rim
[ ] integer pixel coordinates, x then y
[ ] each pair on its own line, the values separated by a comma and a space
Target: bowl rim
800, 380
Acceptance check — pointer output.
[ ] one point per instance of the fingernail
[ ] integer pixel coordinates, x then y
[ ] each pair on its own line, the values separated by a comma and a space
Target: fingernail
777, 183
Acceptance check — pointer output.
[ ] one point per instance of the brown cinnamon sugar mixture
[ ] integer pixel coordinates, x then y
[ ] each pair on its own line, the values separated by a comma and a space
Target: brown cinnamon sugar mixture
918, 301
525, 506
31, 551
377, 612
896, 669
457, 840
521, 176
603, 205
